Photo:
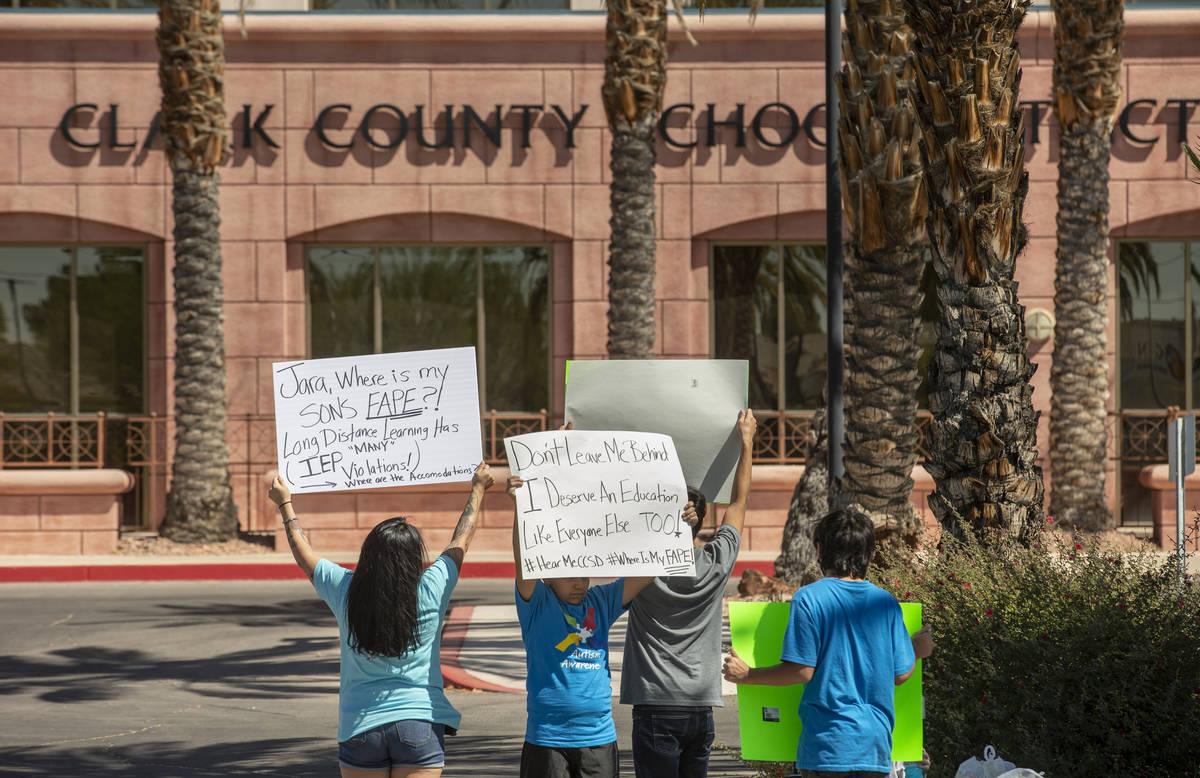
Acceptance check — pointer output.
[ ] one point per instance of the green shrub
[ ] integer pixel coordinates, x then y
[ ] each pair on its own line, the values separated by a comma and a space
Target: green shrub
1072, 660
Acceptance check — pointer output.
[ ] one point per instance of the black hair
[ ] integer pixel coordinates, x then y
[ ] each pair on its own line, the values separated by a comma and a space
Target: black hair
845, 540
700, 505
381, 609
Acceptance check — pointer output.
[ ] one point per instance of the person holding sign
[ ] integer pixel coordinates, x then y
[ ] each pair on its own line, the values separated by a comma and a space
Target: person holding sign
846, 640
392, 711
569, 732
674, 642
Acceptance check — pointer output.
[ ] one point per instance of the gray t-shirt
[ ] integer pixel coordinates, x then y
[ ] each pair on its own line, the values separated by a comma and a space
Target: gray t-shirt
673, 643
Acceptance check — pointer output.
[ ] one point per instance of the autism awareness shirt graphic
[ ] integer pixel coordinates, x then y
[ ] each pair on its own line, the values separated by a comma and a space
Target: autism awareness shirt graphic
582, 634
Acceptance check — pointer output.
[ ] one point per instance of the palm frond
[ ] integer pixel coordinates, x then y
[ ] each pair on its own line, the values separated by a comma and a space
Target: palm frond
1191, 155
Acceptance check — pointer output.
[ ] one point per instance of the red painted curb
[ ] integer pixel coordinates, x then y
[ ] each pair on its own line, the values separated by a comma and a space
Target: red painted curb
234, 571
453, 636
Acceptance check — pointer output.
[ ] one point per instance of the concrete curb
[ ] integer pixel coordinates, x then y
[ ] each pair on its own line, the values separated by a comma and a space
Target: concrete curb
454, 635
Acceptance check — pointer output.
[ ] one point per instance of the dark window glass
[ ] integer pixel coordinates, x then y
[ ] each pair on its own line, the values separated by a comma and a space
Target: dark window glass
35, 368
786, 351
428, 296
108, 279
432, 297
804, 320
1152, 284
746, 292
43, 348
1194, 272
341, 283
516, 293
442, 5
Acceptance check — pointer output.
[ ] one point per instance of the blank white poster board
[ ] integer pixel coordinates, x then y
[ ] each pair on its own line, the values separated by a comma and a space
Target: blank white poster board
378, 420
695, 401
600, 503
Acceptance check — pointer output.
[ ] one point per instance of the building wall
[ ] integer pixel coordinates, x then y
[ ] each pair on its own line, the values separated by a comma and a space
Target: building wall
275, 199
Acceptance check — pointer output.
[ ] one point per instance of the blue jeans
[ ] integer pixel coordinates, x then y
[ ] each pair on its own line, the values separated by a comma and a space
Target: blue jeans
407, 743
671, 741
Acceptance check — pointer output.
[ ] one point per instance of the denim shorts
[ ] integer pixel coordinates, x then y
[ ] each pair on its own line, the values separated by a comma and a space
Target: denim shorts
407, 743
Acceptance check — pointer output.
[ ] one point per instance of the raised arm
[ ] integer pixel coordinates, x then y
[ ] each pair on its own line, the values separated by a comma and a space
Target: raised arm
735, 514
465, 530
305, 557
524, 587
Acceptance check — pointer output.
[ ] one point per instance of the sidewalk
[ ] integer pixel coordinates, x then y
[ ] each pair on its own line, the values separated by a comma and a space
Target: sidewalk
239, 567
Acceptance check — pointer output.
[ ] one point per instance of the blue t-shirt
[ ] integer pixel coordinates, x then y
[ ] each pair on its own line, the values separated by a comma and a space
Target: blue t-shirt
380, 689
853, 634
567, 680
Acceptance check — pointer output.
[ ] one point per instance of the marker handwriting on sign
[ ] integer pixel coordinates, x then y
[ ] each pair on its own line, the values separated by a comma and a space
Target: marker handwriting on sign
378, 420
602, 503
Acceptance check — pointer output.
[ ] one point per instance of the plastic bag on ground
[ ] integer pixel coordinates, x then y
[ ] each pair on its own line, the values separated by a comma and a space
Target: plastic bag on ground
990, 766
1021, 772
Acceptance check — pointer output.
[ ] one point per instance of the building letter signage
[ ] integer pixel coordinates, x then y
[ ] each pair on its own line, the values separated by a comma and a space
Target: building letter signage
386, 126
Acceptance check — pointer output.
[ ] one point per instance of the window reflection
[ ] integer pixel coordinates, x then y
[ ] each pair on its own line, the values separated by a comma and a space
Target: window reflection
428, 297
365, 299
71, 315
516, 292
1152, 286
341, 284
108, 280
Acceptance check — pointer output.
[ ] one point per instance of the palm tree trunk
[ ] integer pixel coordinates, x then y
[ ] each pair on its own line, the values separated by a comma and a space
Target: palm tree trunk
886, 206
634, 78
797, 560
984, 428
1087, 70
191, 71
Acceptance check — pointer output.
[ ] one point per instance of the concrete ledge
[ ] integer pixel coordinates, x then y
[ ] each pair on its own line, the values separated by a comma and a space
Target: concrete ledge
48, 481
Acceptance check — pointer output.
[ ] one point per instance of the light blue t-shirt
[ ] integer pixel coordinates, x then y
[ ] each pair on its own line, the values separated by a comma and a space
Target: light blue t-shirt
853, 633
567, 680
380, 689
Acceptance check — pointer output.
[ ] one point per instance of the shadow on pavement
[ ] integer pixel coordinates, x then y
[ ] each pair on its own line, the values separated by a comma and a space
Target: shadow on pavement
290, 758
90, 673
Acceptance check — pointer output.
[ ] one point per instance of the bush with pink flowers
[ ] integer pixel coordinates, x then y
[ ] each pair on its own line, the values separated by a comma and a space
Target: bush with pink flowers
1069, 658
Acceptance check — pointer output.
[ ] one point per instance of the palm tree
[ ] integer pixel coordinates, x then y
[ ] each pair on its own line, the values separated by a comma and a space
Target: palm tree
885, 207
1087, 90
635, 74
984, 430
191, 71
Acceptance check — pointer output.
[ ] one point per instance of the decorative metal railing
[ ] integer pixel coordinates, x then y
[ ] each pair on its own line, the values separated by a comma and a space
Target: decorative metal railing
783, 437
52, 441
143, 444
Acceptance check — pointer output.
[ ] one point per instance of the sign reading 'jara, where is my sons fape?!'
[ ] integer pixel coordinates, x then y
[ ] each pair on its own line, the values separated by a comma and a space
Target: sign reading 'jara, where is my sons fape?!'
378, 420
600, 503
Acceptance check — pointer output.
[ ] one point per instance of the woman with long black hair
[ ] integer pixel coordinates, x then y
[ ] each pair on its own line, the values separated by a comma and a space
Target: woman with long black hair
392, 711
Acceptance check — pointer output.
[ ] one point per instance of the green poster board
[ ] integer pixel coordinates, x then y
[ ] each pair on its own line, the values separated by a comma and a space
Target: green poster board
769, 717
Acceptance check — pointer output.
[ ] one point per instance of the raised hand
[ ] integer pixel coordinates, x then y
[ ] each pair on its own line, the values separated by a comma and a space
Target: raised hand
483, 476
747, 425
515, 482
279, 492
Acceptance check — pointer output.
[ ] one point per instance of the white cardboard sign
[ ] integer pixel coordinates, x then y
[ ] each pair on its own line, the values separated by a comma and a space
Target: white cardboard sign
600, 503
378, 420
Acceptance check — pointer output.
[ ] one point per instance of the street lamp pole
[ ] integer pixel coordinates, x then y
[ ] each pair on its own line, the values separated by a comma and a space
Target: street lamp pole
834, 339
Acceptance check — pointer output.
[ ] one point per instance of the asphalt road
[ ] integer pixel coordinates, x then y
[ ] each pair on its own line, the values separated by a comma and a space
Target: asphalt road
181, 680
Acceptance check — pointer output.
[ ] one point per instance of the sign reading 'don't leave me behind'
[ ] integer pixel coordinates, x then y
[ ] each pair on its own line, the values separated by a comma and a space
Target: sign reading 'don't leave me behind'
378, 420
600, 503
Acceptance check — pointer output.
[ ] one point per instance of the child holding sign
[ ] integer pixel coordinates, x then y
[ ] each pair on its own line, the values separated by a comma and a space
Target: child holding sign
564, 625
846, 640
